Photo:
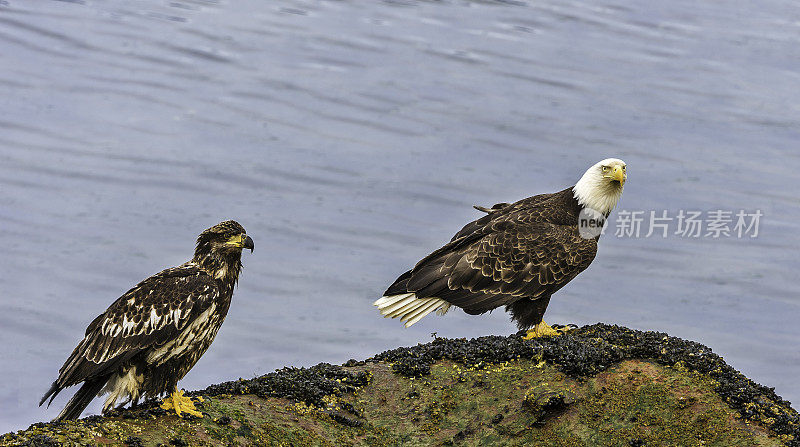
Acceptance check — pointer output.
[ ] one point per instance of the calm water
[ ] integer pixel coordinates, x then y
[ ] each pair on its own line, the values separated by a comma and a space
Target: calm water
351, 139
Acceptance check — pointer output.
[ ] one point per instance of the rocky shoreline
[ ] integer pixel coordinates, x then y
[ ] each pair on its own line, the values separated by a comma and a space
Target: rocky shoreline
596, 385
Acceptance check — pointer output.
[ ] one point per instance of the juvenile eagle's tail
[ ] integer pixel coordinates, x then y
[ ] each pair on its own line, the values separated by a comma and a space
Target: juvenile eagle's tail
409, 308
81, 399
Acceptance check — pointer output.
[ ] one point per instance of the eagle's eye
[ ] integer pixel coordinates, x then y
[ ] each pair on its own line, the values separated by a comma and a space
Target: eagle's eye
605, 168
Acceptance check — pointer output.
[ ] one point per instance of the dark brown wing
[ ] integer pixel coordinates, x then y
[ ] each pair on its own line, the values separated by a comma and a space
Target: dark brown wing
495, 208
499, 263
501, 209
147, 316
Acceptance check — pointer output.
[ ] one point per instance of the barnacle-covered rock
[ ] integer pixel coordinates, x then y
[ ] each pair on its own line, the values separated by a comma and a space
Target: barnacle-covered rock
595, 385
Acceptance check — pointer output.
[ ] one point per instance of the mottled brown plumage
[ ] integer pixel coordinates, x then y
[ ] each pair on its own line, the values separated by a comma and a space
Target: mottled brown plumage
150, 337
516, 256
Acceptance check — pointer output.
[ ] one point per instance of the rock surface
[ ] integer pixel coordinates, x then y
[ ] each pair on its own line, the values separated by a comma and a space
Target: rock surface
599, 385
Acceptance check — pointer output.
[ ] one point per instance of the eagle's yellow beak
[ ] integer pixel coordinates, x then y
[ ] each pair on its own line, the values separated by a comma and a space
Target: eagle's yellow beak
617, 174
242, 241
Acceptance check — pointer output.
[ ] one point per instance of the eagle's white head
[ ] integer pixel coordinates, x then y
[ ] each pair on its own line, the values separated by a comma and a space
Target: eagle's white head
601, 185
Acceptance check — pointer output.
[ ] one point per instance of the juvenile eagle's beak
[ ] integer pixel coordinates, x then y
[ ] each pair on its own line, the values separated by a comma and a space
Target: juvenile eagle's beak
618, 174
241, 241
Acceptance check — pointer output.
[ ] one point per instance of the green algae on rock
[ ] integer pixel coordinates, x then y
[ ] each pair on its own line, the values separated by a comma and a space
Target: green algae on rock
592, 349
598, 385
545, 399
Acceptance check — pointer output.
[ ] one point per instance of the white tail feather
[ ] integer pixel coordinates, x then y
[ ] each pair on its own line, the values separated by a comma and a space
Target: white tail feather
409, 308
413, 318
413, 313
390, 307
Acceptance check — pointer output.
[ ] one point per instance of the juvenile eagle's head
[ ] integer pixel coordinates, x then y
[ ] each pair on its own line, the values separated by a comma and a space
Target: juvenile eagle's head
601, 185
219, 249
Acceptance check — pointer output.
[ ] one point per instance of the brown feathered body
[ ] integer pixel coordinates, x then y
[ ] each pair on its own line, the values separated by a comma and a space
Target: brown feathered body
150, 337
516, 256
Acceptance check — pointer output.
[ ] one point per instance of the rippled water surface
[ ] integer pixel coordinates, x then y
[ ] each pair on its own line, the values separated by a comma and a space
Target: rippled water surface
351, 139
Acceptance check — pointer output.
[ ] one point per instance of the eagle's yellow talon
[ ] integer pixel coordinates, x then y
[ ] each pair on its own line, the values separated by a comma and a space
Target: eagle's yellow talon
181, 404
542, 330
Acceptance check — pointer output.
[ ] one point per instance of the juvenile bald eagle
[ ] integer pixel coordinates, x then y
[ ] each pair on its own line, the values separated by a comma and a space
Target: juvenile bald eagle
516, 256
145, 342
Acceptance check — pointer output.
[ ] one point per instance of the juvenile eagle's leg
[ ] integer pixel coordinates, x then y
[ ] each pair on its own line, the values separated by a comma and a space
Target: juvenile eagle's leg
542, 329
181, 404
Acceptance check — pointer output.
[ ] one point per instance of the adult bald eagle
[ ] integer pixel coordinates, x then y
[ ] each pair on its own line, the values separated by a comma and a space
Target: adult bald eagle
516, 256
145, 342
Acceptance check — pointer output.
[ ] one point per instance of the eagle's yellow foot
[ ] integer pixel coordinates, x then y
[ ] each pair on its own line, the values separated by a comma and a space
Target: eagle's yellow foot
181, 404
541, 330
